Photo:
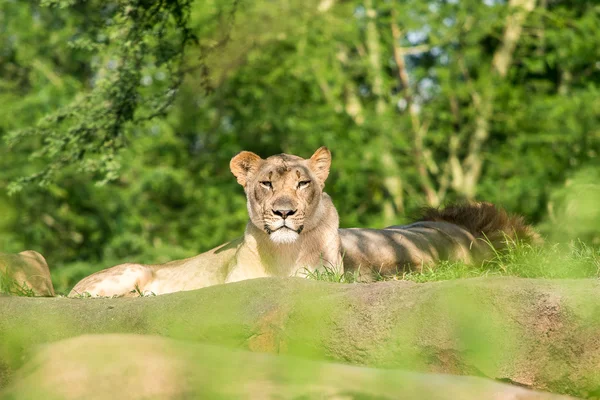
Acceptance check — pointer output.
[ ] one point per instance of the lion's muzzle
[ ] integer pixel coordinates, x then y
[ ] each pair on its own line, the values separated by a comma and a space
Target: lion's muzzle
283, 230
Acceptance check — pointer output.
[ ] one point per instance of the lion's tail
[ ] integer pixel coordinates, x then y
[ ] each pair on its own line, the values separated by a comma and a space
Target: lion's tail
485, 220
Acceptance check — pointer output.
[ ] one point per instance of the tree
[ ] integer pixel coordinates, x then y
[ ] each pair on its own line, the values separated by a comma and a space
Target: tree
421, 102
131, 40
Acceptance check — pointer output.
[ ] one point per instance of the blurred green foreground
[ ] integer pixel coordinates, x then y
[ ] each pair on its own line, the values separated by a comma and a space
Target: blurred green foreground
539, 334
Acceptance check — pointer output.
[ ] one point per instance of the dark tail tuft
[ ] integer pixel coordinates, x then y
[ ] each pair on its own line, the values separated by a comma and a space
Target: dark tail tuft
485, 220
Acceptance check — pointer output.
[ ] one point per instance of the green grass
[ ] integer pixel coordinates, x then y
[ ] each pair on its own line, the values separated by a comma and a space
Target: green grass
331, 274
572, 260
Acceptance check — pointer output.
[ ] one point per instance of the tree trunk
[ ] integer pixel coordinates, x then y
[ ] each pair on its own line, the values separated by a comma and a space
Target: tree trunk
374, 51
418, 128
518, 12
392, 181
468, 176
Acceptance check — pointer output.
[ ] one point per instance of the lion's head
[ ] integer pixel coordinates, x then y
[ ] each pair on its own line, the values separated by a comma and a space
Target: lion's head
284, 191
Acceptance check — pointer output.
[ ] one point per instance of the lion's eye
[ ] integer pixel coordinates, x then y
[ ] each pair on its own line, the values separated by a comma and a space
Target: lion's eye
303, 184
266, 184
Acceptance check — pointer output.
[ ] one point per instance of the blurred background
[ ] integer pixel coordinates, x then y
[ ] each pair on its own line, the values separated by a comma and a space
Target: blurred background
118, 118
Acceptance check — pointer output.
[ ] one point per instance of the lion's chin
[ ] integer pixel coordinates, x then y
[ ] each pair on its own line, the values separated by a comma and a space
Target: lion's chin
284, 236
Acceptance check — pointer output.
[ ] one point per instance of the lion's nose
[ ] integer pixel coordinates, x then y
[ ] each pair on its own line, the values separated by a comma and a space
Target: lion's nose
284, 213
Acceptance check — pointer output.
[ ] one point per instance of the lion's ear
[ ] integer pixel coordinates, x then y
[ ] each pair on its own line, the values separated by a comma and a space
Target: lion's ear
244, 165
320, 163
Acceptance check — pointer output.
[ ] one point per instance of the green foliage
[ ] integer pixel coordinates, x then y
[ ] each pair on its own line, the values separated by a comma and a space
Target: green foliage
154, 98
133, 42
573, 209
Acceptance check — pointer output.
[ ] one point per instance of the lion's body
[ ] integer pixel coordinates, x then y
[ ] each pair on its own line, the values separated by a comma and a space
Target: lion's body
312, 240
26, 271
245, 258
206, 269
467, 233
393, 250
293, 228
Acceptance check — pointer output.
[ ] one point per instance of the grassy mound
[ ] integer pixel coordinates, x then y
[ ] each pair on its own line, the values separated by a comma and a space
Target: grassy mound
150, 367
538, 333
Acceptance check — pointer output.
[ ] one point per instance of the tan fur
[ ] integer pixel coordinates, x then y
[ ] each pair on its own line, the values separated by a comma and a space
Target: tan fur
28, 269
278, 186
485, 220
293, 227
467, 232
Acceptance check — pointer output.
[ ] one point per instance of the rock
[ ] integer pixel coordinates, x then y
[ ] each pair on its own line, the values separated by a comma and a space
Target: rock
542, 334
150, 367
26, 273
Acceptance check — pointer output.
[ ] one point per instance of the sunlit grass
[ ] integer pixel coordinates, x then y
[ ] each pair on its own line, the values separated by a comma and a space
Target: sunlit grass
331, 274
442, 271
572, 260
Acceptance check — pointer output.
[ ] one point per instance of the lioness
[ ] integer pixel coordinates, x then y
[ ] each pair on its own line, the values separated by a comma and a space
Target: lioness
25, 272
293, 227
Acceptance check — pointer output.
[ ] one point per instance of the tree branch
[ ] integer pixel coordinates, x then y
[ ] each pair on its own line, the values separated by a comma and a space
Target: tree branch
518, 12
374, 53
419, 130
